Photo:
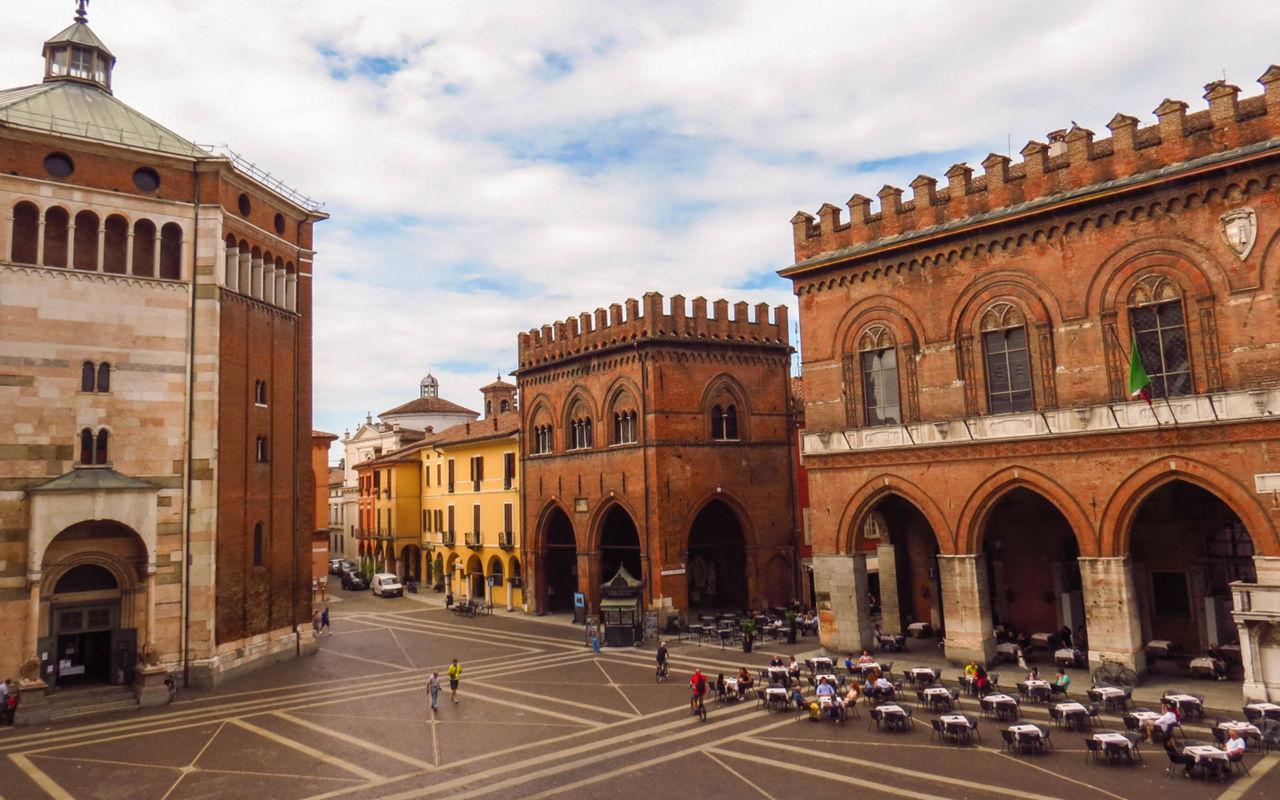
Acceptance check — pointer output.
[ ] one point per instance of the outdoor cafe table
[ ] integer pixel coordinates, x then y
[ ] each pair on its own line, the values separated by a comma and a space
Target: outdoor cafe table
1187, 704
1269, 710
956, 725
826, 701
1038, 689
820, 664
1042, 639
918, 629
924, 675
1007, 651
1002, 704
866, 666
1026, 729
1074, 714
893, 714
938, 693
1118, 740
773, 695
778, 675
1144, 717
894, 641
1204, 753
1203, 666
1247, 729
1110, 695
830, 676
731, 687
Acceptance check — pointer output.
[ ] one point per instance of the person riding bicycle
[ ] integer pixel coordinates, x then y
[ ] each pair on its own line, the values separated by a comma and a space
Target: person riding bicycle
698, 686
662, 657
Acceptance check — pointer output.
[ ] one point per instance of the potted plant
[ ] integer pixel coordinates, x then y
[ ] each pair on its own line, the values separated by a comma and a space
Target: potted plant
748, 634
790, 617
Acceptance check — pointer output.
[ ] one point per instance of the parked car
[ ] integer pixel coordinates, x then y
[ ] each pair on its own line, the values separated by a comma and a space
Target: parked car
386, 584
352, 579
338, 565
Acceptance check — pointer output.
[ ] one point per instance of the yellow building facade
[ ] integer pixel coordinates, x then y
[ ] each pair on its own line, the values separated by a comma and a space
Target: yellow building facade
390, 510
470, 510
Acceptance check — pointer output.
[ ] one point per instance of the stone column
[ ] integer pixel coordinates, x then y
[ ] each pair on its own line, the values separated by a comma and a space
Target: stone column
32, 638
1111, 611
966, 609
890, 612
150, 637
1256, 609
844, 624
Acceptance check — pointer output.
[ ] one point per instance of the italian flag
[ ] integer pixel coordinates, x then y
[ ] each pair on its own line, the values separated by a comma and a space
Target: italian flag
1138, 380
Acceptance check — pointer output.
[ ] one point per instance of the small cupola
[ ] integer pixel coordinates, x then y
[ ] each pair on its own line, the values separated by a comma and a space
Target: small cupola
429, 386
77, 54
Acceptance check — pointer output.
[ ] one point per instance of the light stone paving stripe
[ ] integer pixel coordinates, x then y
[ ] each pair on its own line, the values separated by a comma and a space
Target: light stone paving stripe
42, 780
1238, 788
896, 791
900, 771
618, 687
403, 652
363, 743
738, 775
327, 758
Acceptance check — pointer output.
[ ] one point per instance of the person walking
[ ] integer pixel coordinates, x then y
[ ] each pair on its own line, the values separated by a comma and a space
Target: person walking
315, 622
433, 684
324, 621
455, 675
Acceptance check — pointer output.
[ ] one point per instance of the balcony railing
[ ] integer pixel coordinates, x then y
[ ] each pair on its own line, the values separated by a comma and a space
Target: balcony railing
473, 540
1126, 416
447, 538
506, 540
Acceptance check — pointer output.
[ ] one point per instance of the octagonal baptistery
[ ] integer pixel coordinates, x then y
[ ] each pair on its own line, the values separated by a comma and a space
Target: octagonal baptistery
155, 370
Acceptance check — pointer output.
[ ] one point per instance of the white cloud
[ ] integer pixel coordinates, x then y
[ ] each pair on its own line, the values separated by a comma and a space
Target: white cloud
525, 162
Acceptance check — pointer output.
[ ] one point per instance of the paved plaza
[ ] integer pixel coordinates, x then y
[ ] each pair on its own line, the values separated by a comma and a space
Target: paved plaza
539, 715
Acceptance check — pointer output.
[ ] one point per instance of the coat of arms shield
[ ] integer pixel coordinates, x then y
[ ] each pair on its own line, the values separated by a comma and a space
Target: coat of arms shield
1239, 229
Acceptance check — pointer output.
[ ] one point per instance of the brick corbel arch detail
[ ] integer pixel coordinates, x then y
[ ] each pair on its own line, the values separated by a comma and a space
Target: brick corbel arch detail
595, 524
575, 396
901, 318
849, 535
1029, 297
1117, 519
718, 387
971, 524
544, 516
698, 504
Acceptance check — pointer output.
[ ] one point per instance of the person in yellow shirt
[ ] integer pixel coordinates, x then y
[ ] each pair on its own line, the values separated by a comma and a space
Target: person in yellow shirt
455, 675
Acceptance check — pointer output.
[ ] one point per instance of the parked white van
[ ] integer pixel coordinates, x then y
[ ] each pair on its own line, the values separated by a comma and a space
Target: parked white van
386, 584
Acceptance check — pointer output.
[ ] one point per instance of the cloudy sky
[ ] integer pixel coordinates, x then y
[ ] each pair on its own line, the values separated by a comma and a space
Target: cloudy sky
491, 166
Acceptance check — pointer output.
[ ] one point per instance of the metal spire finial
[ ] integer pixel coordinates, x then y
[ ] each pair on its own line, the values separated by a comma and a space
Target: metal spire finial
82, 11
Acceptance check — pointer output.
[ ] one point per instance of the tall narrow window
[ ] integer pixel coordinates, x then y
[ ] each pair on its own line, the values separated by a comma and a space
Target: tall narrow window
56, 224
115, 245
260, 450
86, 241
1004, 345
260, 393
508, 517
144, 248
542, 439
86, 447
100, 449
624, 427
475, 523
878, 359
508, 470
477, 472
171, 251
87, 376
259, 546
104, 377
1156, 318
451, 475
724, 422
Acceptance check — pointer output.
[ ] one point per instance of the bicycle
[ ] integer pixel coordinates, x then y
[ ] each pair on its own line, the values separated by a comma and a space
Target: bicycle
661, 673
1114, 673
698, 709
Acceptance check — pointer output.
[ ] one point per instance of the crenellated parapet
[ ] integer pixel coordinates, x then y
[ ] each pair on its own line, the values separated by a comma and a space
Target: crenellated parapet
652, 319
1072, 160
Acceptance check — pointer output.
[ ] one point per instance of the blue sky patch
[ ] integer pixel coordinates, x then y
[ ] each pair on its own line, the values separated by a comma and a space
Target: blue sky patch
763, 280
554, 66
342, 66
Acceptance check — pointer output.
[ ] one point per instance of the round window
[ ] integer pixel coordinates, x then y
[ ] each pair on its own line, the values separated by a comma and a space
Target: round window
146, 179
280, 223
244, 205
59, 165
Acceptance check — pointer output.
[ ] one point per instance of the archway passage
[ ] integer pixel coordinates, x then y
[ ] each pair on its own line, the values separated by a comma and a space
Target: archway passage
1033, 566
438, 575
559, 563
619, 545
410, 563
89, 634
1187, 547
906, 566
717, 560
475, 579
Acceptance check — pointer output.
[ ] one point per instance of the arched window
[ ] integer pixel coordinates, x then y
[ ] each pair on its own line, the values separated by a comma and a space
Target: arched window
259, 546
87, 376
86, 241
56, 222
115, 245
93, 449
260, 393
260, 450
100, 451
1157, 322
505, 406
580, 427
171, 251
878, 363
724, 422
1008, 362
144, 248
542, 439
104, 377
26, 233
624, 427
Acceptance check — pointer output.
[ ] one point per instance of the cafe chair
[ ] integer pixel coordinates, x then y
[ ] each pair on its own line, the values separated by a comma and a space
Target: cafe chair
1270, 734
938, 731
1236, 760
1092, 749
1179, 760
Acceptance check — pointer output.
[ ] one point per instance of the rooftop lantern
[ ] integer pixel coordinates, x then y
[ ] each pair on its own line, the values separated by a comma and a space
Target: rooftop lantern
77, 54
